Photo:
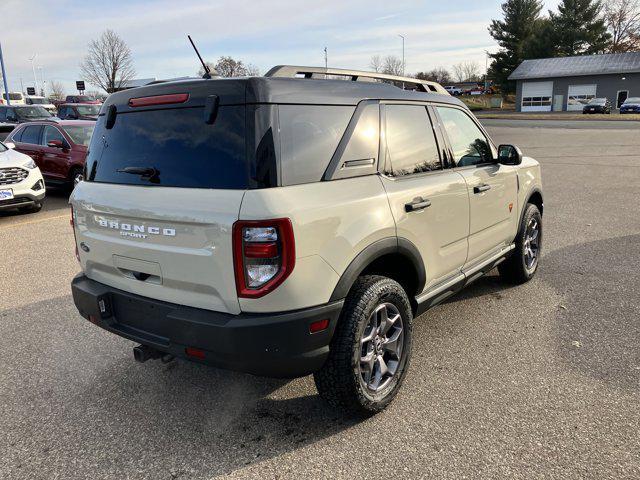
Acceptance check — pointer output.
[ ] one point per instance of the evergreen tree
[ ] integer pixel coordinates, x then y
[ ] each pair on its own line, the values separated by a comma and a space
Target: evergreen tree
579, 28
513, 34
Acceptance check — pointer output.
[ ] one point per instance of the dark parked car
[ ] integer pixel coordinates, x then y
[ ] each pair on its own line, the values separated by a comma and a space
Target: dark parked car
82, 99
59, 149
631, 105
597, 105
10, 116
78, 111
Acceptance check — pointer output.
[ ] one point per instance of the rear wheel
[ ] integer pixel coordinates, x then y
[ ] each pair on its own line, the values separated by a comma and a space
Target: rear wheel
370, 349
522, 265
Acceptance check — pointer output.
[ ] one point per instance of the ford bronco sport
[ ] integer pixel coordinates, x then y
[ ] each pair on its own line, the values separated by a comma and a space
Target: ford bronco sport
285, 226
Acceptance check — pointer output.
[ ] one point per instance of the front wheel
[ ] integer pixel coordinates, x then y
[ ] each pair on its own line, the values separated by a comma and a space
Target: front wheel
522, 265
370, 349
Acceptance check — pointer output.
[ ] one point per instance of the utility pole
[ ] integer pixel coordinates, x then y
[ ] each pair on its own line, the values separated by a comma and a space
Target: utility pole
326, 61
486, 71
402, 37
4, 77
35, 79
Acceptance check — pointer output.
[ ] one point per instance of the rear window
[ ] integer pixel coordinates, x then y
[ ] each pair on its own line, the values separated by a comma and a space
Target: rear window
175, 147
12, 96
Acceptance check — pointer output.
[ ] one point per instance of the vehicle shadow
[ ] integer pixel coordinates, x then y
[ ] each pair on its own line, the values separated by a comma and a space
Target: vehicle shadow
57, 198
154, 416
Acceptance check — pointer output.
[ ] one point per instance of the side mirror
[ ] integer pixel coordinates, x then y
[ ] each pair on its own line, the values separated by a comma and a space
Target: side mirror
509, 155
9, 144
55, 144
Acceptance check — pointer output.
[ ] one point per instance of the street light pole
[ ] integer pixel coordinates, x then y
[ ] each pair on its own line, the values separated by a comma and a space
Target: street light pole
4, 77
35, 79
402, 37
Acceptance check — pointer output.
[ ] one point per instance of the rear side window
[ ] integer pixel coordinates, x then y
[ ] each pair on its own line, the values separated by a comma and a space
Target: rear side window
175, 147
411, 144
469, 145
31, 134
3, 114
309, 135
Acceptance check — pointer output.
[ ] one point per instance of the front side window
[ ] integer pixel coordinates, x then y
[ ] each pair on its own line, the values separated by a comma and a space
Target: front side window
51, 133
31, 134
469, 145
411, 144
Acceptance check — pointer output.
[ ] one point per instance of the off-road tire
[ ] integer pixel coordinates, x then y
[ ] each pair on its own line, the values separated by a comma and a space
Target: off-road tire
339, 381
514, 269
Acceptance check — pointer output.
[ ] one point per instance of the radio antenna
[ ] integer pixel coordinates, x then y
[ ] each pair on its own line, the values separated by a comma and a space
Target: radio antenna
207, 70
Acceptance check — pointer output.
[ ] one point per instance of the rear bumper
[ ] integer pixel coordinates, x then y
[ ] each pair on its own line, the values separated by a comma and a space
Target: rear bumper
273, 345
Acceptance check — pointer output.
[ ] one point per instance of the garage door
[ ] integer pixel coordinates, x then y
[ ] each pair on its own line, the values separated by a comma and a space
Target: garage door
579, 96
536, 96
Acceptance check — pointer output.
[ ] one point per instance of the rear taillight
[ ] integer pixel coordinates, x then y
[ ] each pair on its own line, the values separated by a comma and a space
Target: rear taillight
75, 239
264, 255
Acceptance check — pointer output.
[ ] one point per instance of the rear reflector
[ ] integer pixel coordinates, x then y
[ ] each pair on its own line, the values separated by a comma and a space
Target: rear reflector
158, 100
195, 353
319, 326
261, 250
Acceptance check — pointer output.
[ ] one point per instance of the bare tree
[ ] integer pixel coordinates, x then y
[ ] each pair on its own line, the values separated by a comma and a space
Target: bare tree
392, 65
57, 90
623, 21
108, 63
376, 64
230, 67
440, 75
466, 72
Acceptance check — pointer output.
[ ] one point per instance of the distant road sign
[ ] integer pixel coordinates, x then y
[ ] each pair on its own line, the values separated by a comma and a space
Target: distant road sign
80, 85
31, 90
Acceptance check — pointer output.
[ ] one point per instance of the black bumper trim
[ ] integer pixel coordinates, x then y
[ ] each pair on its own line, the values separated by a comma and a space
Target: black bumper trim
273, 345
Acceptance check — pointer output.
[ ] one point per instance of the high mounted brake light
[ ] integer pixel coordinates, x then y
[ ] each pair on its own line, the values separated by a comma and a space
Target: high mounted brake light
158, 100
264, 255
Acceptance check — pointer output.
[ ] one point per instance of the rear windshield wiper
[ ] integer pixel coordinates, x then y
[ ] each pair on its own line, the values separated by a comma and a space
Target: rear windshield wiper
151, 174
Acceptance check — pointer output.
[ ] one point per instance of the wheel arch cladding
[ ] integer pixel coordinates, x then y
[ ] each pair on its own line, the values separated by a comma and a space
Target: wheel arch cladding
396, 258
535, 197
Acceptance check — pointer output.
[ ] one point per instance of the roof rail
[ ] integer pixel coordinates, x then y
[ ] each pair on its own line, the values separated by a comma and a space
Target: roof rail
406, 83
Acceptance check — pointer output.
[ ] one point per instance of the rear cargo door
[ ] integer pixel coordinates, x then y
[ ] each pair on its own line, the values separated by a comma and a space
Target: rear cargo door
163, 189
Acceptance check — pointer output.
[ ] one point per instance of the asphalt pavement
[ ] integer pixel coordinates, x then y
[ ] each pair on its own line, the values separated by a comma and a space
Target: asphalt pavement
535, 381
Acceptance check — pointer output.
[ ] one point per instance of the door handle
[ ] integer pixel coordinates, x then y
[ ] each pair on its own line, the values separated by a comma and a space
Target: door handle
416, 204
481, 188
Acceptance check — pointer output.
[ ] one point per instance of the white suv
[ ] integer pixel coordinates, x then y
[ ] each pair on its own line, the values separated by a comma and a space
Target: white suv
21, 183
288, 226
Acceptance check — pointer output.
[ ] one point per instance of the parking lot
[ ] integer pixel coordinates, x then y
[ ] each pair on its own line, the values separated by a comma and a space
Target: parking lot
537, 381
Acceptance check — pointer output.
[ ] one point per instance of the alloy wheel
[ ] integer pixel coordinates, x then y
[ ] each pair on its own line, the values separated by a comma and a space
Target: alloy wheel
381, 347
532, 243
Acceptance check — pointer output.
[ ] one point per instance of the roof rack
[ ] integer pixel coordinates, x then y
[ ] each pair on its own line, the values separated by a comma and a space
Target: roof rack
406, 83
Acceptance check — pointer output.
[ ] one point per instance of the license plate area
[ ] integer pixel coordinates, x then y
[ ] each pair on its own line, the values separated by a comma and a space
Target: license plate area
6, 194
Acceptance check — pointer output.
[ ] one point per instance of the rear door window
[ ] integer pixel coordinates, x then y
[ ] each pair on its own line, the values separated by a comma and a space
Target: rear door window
31, 135
309, 135
173, 148
411, 143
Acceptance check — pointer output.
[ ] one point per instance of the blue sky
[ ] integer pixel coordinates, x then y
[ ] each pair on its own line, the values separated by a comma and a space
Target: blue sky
438, 34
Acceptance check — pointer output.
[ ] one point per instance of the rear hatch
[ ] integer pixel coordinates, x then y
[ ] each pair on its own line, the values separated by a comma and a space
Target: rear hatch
164, 185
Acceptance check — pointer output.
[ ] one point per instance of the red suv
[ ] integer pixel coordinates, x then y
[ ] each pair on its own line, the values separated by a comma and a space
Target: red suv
58, 148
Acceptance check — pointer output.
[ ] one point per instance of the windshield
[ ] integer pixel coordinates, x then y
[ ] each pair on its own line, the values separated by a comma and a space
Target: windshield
80, 134
37, 101
632, 100
82, 98
598, 101
32, 112
12, 96
88, 109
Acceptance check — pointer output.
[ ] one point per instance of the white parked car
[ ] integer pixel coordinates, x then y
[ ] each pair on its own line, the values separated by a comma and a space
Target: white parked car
16, 98
21, 183
455, 91
41, 101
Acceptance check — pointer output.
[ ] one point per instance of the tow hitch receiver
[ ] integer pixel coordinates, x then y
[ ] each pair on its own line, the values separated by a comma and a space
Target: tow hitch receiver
142, 353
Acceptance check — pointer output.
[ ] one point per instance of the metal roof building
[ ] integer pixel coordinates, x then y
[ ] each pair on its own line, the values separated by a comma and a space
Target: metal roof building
567, 83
